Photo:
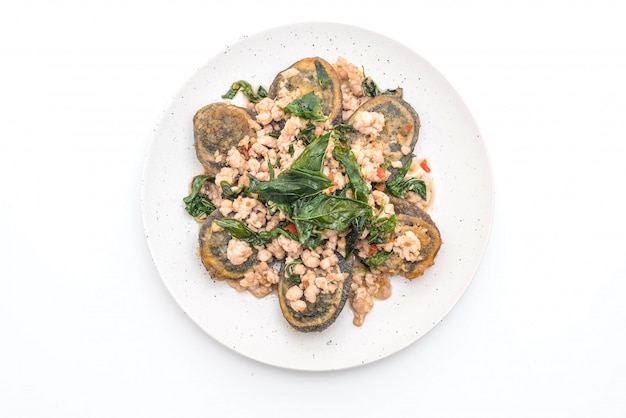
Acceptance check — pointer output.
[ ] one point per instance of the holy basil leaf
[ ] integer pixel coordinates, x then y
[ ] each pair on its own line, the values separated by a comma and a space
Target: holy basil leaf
305, 231
381, 230
341, 129
405, 169
247, 90
370, 88
239, 230
284, 208
358, 185
342, 192
261, 92
196, 186
399, 186
308, 106
414, 185
330, 212
198, 204
291, 185
377, 259
229, 192
303, 178
322, 75
312, 158
357, 227
308, 234
306, 135
270, 167
293, 278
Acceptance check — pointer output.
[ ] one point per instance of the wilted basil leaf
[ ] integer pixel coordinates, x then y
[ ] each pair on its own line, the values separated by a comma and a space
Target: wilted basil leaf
370, 88
247, 90
358, 185
357, 227
239, 230
292, 278
312, 158
291, 185
197, 204
308, 106
377, 259
304, 177
322, 75
330, 212
398, 186
229, 192
341, 129
381, 230
306, 135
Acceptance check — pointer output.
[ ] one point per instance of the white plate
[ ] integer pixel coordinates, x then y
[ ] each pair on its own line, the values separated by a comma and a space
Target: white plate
449, 138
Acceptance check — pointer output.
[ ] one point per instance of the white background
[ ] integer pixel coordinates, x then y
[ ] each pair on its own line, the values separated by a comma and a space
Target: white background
87, 328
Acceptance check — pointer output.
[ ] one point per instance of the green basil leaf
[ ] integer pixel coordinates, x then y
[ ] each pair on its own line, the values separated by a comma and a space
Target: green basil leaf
308, 106
197, 204
342, 192
200, 205
304, 177
381, 230
196, 185
312, 158
261, 92
322, 75
284, 207
306, 135
308, 234
370, 88
229, 192
357, 227
358, 185
377, 259
270, 167
292, 278
291, 185
399, 186
239, 230
305, 230
402, 172
247, 90
330, 212
415, 185
341, 129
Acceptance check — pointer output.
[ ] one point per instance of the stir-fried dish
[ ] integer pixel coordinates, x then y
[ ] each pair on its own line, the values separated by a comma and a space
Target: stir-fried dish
312, 190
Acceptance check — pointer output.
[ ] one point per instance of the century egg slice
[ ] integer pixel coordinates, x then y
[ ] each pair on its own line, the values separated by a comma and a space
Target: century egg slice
218, 127
412, 218
308, 75
214, 252
320, 314
401, 130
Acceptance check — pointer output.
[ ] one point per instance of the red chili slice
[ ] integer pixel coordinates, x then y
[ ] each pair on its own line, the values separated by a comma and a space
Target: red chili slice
292, 228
